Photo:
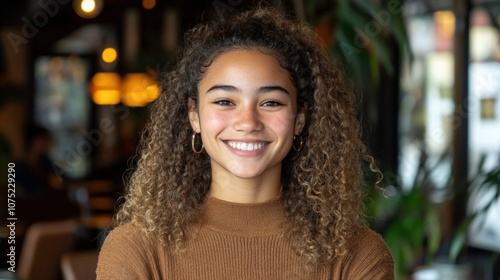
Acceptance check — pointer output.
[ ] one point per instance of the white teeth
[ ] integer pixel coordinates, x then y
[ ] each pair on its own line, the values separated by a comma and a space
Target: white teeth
246, 146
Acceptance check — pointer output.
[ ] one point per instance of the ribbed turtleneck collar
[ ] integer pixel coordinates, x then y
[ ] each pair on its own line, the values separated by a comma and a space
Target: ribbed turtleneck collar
245, 219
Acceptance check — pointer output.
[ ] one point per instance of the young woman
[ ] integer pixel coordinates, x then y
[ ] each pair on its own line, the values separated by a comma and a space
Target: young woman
250, 166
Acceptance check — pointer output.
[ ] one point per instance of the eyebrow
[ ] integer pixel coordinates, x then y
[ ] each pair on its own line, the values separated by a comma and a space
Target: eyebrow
263, 89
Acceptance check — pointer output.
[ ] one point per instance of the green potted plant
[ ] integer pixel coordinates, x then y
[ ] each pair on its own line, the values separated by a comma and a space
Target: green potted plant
411, 219
408, 218
358, 34
485, 183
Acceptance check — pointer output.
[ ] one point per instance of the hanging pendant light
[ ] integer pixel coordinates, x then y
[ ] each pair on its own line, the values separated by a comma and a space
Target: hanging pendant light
105, 88
88, 8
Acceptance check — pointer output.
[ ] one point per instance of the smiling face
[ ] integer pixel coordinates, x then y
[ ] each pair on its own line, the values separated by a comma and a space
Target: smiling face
247, 115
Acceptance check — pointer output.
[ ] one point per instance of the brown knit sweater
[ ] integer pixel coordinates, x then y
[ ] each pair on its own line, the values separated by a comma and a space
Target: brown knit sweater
237, 241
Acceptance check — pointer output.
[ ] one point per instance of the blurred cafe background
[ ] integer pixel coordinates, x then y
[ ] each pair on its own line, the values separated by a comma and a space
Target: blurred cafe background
77, 77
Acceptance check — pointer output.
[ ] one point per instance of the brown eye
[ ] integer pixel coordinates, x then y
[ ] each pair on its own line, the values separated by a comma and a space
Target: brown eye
223, 102
271, 103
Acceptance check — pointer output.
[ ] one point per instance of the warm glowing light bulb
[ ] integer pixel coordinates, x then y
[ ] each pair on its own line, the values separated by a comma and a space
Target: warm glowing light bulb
446, 23
148, 4
88, 6
109, 55
105, 88
139, 89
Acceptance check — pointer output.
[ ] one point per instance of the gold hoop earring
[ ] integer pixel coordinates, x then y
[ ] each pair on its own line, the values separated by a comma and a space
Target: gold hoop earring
300, 143
193, 139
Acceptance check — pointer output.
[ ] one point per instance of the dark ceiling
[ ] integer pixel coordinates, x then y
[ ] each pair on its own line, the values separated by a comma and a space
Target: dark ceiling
65, 20
11, 12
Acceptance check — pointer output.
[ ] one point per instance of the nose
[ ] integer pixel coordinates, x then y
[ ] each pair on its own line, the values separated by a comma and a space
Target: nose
247, 119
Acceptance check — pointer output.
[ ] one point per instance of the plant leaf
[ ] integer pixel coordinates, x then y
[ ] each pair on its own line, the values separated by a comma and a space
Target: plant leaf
433, 227
459, 239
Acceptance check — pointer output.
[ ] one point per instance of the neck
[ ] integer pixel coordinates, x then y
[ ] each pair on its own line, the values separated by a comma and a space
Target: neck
247, 190
243, 219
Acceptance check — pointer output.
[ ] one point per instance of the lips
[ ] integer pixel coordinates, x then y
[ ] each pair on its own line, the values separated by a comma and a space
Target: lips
246, 146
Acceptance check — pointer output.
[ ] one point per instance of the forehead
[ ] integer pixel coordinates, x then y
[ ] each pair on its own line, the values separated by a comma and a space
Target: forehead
252, 63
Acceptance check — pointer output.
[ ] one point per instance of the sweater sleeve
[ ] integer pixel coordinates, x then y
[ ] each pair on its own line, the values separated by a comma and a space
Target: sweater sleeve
368, 257
123, 255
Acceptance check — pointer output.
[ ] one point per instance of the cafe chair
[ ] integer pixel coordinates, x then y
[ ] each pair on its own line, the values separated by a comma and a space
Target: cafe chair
43, 247
94, 197
79, 265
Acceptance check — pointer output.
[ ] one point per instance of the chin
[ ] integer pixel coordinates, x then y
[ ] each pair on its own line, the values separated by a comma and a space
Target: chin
246, 173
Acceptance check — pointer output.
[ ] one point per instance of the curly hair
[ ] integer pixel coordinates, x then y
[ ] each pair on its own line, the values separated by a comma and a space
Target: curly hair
322, 183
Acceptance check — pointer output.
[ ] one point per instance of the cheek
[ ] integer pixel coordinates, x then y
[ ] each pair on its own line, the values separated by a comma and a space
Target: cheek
283, 125
212, 121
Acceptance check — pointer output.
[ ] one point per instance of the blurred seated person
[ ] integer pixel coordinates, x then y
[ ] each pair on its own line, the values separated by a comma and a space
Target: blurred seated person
40, 195
35, 174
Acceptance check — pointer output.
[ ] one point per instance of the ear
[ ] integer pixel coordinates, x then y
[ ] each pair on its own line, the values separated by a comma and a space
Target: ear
193, 115
300, 120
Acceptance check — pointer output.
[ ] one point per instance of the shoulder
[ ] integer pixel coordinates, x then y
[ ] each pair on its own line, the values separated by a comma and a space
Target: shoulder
368, 256
125, 253
128, 234
364, 239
